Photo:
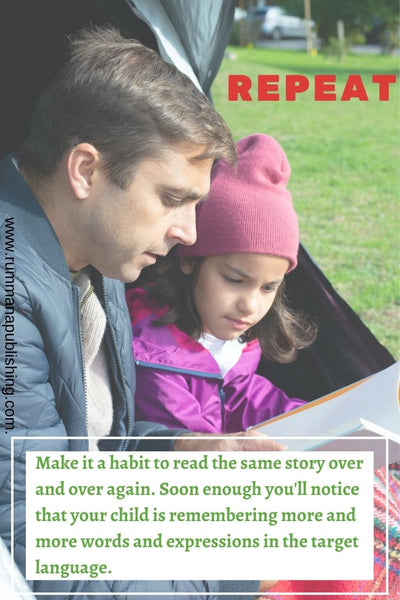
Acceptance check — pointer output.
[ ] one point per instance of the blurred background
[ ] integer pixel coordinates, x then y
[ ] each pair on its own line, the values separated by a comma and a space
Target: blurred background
344, 155
323, 24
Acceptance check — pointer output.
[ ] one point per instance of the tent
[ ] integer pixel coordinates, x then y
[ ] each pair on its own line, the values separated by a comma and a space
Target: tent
192, 34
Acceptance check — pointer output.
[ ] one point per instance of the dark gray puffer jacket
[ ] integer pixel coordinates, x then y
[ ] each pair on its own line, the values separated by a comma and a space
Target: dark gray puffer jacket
43, 381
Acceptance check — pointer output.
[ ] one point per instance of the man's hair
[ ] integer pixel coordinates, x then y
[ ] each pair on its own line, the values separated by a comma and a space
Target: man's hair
282, 332
125, 100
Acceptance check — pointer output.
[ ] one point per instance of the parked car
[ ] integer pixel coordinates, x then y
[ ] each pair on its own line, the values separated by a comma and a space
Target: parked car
276, 23
240, 13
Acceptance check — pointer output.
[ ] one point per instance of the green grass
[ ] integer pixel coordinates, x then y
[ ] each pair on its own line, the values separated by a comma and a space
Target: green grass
345, 172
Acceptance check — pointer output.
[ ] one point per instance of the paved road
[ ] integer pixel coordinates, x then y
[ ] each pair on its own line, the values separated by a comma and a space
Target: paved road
292, 44
300, 44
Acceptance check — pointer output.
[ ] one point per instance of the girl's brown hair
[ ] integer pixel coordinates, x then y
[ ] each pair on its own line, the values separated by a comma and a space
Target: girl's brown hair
282, 332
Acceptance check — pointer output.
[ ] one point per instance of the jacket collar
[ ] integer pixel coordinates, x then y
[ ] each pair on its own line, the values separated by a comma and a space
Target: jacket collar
17, 200
170, 348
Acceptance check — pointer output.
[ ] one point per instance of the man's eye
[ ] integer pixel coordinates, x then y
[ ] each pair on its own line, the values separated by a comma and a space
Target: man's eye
171, 201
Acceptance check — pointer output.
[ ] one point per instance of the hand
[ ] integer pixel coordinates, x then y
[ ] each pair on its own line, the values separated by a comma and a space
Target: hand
265, 586
249, 440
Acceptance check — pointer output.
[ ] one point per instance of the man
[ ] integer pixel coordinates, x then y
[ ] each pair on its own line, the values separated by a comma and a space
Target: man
118, 154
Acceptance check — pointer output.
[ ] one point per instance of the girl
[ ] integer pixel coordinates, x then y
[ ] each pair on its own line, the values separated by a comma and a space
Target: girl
210, 309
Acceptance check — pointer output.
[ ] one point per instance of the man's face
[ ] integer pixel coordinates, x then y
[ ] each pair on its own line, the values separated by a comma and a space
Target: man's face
128, 229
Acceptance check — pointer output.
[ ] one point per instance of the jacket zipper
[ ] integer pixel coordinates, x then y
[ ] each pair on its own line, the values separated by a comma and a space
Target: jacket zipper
118, 371
216, 376
222, 395
141, 363
79, 330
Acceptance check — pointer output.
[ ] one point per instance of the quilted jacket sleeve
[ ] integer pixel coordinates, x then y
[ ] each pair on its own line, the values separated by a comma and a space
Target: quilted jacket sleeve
28, 405
29, 408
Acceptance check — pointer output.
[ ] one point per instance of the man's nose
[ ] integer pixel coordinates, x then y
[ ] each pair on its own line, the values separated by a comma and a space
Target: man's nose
184, 229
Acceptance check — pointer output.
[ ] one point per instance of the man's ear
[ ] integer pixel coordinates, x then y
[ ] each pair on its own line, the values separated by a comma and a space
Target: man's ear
82, 162
186, 264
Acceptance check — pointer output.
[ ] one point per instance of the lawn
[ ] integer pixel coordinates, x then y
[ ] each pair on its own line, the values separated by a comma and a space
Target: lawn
345, 172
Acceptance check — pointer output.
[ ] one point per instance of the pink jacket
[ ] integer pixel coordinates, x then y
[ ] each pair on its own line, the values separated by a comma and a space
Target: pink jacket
178, 382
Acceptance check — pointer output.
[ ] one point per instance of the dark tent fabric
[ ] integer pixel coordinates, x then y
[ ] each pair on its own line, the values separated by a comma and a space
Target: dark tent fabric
198, 30
345, 349
32, 44
32, 49
33, 33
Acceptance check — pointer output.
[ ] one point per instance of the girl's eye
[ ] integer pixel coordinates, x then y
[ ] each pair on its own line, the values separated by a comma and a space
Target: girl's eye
232, 279
269, 289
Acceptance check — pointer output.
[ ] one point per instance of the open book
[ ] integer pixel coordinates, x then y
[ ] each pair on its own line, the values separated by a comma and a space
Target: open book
370, 407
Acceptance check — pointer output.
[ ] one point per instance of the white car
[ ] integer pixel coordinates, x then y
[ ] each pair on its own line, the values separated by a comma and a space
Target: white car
277, 24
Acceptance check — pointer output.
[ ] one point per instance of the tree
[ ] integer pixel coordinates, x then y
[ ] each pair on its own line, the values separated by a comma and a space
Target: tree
357, 15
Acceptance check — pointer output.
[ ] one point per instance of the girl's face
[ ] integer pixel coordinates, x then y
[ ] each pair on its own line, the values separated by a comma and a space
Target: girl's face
233, 292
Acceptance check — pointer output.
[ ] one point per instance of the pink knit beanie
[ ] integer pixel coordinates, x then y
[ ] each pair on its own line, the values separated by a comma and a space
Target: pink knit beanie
248, 208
